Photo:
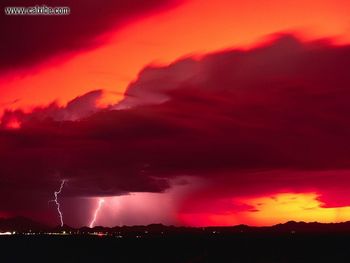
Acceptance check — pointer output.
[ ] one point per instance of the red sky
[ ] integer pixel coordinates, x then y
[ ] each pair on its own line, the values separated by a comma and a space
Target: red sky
193, 27
263, 118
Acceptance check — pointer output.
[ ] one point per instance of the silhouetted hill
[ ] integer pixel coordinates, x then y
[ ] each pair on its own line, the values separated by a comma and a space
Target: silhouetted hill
65, 228
312, 227
22, 224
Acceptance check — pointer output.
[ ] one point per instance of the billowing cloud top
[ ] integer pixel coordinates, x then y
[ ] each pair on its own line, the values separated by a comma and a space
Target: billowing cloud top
248, 121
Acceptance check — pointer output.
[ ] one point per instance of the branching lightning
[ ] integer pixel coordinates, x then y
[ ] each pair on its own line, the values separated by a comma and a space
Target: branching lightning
100, 203
56, 193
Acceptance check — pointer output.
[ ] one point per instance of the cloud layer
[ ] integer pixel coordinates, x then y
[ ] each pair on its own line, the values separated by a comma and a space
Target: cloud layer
249, 122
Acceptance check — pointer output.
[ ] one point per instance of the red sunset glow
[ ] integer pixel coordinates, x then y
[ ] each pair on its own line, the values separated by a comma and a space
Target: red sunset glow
183, 112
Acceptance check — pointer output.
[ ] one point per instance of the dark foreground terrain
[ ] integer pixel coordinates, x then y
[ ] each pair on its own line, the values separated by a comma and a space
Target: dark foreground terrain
245, 247
23, 240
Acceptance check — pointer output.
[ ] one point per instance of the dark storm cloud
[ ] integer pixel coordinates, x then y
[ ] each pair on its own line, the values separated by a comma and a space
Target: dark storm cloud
76, 109
27, 40
249, 121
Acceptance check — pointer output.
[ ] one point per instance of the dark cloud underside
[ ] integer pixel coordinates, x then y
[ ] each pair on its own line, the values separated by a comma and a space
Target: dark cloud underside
249, 121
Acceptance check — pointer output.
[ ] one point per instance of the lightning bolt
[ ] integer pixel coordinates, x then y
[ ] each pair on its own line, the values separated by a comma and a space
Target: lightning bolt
100, 203
56, 193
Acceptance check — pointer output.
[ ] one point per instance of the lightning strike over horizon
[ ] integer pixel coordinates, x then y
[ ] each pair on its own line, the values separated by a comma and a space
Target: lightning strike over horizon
56, 193
100, 203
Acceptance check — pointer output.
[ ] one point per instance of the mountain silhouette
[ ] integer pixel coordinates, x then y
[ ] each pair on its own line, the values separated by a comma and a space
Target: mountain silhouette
23, 224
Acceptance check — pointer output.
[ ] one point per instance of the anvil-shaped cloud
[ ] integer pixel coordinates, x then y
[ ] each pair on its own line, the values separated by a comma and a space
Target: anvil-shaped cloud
248, 121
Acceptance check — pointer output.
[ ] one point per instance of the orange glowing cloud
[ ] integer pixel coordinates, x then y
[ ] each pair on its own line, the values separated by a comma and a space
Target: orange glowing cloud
196, 26
270, 210
295, 206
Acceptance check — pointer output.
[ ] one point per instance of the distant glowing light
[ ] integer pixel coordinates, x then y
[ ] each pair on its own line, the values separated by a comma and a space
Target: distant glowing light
268, 210
5, 233
100, 203
295, 206
13, 124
